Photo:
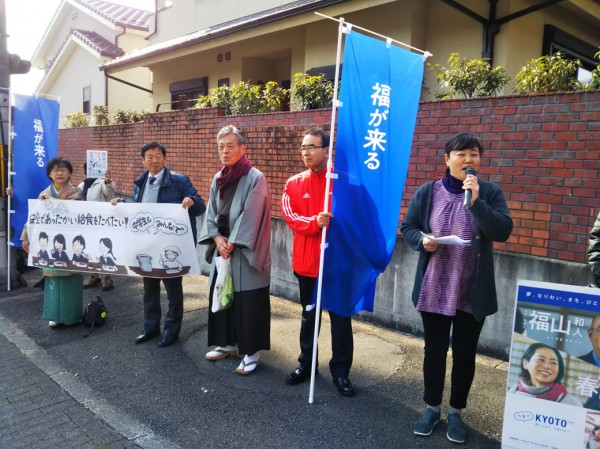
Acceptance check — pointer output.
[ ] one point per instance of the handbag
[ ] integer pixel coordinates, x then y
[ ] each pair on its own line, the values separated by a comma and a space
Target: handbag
223, 292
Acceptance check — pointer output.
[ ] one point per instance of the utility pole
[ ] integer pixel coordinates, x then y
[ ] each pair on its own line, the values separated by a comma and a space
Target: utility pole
9, 64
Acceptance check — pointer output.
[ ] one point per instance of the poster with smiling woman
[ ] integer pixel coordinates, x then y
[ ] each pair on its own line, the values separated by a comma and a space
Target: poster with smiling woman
553, 386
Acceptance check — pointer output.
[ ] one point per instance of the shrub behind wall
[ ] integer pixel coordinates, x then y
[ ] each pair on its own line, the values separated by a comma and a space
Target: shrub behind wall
543, 150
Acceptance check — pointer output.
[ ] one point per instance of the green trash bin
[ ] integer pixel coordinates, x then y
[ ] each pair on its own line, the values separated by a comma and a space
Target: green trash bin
63, 299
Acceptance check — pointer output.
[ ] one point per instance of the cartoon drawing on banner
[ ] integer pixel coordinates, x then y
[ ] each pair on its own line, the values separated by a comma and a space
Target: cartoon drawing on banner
61, 259
137, 236
107, 258
169, 261
80, 259
42, 254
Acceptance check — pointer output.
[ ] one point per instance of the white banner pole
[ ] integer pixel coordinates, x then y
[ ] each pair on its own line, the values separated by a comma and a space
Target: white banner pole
9, 243
325, 209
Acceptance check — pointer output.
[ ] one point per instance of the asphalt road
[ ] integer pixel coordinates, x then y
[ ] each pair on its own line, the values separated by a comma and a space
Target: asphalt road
174, 397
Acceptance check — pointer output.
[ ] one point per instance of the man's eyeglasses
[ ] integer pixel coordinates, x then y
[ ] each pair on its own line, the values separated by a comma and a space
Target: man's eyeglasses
595, 329
154, 158
60, 170
309, 148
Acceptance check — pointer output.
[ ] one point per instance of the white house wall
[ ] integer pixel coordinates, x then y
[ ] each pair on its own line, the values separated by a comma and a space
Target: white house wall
81, 71
122, 96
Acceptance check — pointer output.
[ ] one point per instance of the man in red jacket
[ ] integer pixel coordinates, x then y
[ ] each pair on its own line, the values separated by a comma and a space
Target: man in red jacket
302, 207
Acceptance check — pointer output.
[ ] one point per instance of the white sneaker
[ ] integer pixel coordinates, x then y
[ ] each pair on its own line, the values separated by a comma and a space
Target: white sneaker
52, 324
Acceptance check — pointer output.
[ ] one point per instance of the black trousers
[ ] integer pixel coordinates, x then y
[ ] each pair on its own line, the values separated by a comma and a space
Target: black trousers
342, 342
465, 335
152, 310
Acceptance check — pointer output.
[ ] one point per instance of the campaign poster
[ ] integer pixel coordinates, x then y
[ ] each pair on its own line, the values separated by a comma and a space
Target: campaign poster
553, 387
129, 239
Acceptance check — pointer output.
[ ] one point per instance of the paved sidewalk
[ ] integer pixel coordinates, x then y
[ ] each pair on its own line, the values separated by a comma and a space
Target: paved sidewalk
35, 411
60, 390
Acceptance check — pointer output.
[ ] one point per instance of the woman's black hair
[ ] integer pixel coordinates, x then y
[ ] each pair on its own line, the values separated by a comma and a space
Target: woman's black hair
530, 351
464, 141
58, 162
108, 243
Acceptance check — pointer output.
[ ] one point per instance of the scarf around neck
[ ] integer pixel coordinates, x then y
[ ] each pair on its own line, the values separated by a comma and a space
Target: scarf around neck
452, 184
554, 391
230, 177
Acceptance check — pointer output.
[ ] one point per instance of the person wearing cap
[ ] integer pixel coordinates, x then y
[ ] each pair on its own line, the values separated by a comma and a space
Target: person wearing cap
454, 285
169, 261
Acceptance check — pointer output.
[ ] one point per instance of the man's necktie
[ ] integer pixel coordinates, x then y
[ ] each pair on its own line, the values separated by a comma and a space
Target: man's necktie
152, 179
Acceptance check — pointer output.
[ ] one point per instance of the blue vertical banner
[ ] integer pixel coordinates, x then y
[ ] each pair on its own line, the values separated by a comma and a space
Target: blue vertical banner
381, 85
35, 142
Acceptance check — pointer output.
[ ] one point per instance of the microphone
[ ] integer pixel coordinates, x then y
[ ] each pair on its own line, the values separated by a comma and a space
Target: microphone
468, 193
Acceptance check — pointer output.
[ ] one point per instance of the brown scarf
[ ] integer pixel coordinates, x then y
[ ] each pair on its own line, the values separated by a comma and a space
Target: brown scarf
230, 177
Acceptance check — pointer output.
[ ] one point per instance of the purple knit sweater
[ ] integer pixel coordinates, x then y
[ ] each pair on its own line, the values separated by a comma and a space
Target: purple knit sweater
450, 270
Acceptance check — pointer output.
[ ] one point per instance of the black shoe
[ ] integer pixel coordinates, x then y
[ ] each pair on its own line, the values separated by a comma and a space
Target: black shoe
40, 283
297, 376
167, 340
344, 386
145, 336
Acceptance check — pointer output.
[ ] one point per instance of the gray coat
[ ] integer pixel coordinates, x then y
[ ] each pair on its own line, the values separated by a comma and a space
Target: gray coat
250, 225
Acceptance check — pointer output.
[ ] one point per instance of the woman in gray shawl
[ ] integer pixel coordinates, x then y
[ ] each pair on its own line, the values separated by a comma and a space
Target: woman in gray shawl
237, 226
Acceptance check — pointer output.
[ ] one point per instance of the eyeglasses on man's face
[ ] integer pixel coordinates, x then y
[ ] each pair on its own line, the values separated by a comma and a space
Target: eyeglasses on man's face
309, 148
59, 170
595, 329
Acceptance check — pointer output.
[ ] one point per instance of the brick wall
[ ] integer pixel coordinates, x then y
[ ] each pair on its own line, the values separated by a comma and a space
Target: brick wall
543, 150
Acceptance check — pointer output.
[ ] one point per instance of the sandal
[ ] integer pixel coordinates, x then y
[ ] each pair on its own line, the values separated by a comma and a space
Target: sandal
246, 367
220, 353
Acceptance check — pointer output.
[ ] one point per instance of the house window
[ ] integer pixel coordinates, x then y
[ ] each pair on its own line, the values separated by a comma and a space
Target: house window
223, 82
87, 96
185, 93
328, 71
556, 40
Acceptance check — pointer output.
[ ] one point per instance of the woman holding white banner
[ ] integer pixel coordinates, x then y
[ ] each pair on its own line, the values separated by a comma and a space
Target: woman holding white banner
454, 285
63, 290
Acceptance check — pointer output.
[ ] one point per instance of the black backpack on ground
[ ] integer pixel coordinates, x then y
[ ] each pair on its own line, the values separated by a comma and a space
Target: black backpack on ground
94, 314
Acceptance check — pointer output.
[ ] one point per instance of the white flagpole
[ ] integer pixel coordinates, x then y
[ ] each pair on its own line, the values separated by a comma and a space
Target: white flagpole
329, 176
9, 210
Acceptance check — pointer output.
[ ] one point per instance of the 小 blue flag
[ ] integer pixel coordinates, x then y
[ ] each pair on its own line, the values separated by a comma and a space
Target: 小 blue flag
381, 85
35, 143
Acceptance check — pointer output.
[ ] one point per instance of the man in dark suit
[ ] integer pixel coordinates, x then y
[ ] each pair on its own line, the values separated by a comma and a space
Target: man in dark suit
160, 185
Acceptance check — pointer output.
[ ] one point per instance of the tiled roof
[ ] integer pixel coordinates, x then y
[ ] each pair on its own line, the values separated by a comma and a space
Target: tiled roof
98, 43
118, 14
260, 18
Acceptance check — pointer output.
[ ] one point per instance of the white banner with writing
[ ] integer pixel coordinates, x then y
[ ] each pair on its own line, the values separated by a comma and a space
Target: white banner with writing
130, 239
